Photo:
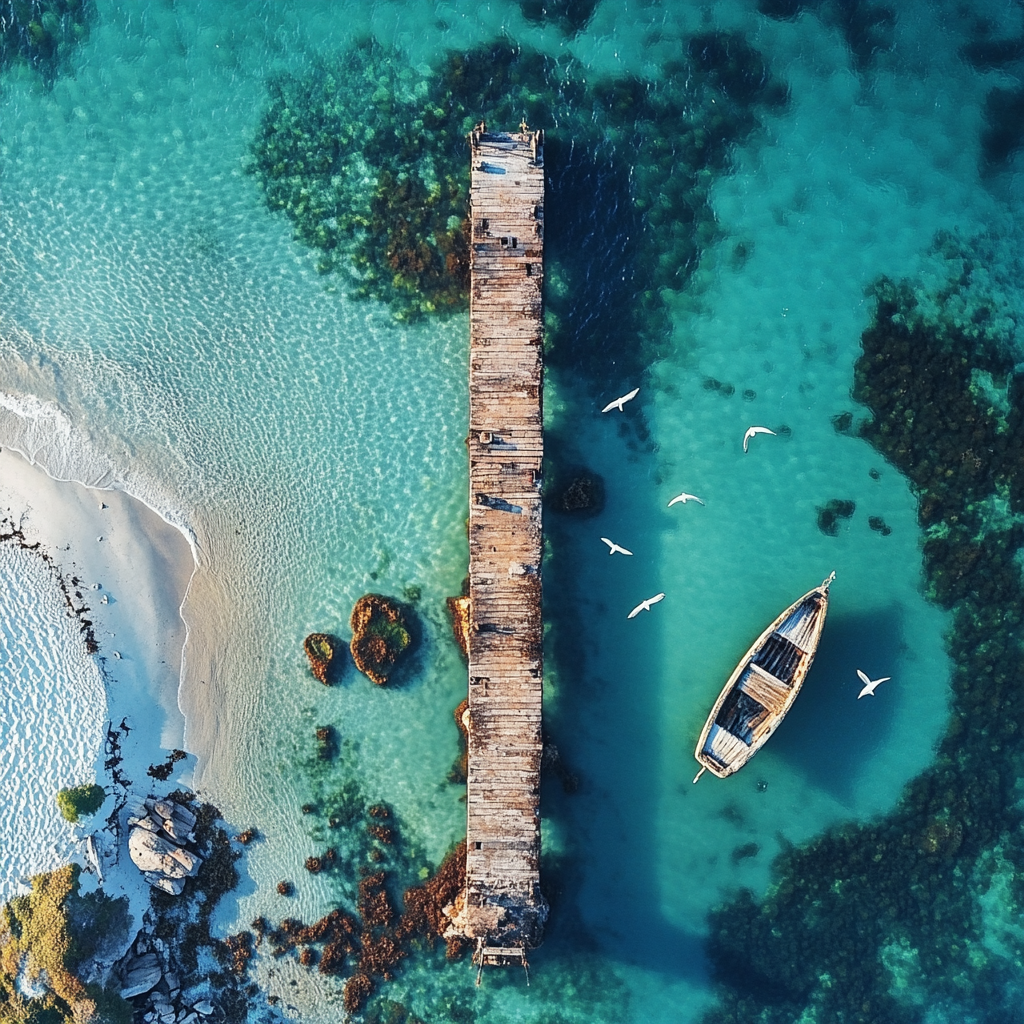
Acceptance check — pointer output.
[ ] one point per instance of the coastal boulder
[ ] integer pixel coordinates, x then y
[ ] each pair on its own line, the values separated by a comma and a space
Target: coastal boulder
163, 864
174, 819
380, 636
141, 974
319, 648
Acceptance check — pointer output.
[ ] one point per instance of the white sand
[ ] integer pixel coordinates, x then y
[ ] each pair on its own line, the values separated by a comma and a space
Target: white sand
143, 567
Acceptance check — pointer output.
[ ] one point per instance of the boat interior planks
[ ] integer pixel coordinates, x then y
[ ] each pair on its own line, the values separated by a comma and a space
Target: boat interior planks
763, 686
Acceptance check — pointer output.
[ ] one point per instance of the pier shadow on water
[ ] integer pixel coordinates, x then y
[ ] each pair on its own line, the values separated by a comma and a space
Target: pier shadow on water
604, 891
830, 734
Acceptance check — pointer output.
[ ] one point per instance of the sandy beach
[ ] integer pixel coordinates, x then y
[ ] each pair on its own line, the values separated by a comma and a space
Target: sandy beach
132, 571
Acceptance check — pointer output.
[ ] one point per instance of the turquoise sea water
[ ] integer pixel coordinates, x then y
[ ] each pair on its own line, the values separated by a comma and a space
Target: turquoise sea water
312, 445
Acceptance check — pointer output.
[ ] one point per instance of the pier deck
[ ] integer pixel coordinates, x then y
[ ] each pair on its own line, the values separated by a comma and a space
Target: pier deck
504, 908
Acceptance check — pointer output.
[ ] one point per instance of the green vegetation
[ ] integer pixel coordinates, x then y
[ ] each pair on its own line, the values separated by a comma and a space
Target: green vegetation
46, 936
79, 801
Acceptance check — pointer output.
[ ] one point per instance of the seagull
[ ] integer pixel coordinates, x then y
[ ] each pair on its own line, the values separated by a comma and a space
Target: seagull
620, 402
614, 548
870, 684
751, 431
684, 498
645, 606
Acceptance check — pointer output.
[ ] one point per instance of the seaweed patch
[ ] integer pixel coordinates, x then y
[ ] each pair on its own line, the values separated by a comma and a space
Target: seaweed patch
367, 157
878, 921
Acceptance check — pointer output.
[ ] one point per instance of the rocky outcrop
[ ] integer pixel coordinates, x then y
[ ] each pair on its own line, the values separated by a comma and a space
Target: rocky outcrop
458, 608
157, 844
319, 648
145, 971
141, 975
380, 636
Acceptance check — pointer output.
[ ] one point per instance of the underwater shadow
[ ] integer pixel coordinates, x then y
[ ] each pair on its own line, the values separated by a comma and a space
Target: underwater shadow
830, 734
604, 890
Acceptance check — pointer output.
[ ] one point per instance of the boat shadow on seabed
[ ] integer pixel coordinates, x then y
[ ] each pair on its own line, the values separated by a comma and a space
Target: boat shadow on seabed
830, 734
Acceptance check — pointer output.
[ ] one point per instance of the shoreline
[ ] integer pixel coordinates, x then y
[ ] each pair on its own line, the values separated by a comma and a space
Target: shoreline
126, 573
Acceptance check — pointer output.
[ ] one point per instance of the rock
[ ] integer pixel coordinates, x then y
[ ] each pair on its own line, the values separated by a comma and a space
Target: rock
153, 855
145, 821
380, 636
458, 608
177, 821
141, 975
204, 1006
190, 1019
580, 492
319, 648
175, 886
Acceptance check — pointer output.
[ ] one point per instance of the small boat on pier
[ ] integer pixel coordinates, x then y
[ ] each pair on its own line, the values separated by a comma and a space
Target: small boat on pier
763, 686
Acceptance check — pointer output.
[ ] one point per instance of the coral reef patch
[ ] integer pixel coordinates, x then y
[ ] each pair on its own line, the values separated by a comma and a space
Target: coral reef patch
846, 909
1003, 134
43, 33
320, 649
368, 158
380, 636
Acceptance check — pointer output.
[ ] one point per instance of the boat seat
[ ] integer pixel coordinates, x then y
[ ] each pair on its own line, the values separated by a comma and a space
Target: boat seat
765, 688
725, 748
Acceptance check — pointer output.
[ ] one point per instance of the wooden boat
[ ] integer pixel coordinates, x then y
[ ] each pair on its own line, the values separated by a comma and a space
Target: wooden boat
763, 686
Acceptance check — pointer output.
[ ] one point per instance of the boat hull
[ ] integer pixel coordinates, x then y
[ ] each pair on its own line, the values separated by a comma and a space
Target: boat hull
763, 686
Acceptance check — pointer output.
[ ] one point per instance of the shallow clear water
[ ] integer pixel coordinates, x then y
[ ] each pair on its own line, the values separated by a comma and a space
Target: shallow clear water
313, 447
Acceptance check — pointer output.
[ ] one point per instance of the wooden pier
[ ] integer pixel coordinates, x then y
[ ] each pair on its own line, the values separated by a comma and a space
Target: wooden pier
503, 909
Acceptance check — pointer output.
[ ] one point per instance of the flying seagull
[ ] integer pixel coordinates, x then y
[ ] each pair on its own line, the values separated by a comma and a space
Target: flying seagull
751, 431
645, 606
684, 498
870, 684
620, 402
614, 548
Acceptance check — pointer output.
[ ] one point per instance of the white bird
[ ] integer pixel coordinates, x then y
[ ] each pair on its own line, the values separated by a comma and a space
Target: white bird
645, 606
751, 431
870, 684
620, 402
614, 548
116, 654
684, 498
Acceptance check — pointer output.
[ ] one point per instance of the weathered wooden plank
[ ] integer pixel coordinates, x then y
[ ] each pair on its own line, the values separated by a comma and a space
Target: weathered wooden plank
506, 539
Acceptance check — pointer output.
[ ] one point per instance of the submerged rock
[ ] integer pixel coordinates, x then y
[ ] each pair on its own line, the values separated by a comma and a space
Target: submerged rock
319, 648
380, 636
830, 514
580, 492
